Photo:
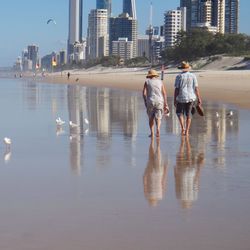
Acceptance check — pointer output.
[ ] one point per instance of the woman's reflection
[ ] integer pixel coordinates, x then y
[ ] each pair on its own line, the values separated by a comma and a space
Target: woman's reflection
155, 175
187, 173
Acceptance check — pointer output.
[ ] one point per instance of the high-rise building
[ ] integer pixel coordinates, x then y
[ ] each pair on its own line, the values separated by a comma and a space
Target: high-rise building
129, 7
205, 13
174, 22
97, 40
75, 25
33, 55
232, 16
123, 48
123, 26
218, 15
104, 4
192, 12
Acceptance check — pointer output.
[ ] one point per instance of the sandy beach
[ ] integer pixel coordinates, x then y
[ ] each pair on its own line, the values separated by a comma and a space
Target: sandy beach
221, 86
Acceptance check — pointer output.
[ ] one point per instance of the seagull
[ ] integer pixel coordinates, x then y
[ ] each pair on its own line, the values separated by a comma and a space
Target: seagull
86, 120
7, 141
59, 121
73, 125
230, 114
217, 114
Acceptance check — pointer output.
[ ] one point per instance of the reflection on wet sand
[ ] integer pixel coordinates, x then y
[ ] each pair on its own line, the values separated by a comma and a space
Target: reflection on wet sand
187, 173
155, 175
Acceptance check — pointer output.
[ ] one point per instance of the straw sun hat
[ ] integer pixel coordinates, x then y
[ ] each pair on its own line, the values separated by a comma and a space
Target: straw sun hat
152, 73
184, 65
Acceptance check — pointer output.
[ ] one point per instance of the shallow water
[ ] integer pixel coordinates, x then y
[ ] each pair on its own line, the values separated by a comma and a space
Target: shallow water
106, 186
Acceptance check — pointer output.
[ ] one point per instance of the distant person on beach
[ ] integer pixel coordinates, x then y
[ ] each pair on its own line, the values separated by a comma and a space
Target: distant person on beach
185, 95
68, 75
155, 99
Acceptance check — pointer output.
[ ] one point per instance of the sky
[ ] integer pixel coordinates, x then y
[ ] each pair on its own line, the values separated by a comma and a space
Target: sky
24, 22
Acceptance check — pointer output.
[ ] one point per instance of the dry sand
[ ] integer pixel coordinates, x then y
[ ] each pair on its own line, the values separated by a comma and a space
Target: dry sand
220, 86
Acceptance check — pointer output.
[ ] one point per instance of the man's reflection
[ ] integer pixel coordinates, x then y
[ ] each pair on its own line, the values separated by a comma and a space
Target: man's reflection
187, 173
155, 175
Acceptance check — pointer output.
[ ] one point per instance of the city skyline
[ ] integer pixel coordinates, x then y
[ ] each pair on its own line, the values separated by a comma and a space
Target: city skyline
28, 25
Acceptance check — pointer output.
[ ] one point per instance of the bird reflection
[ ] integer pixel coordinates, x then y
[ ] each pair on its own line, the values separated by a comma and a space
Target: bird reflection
155, 175
7, 156
187, 173
59, 131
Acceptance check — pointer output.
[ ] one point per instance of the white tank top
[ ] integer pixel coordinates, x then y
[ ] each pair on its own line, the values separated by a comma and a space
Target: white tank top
154, 91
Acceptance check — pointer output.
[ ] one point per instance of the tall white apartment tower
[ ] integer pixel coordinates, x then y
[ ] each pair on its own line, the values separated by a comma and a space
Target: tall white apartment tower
75, 25
175, 21
97, 41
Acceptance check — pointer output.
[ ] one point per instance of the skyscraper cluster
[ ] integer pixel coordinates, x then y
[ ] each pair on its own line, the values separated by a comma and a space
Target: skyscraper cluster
217, 16
118, 35
220, 14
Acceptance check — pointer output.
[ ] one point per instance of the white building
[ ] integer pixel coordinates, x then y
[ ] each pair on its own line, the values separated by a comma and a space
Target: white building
175, 21
98, 39
75, 26
123, 48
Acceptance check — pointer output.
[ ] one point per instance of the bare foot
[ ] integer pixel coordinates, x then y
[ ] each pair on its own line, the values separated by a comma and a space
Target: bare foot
151, 135
158, 134
183, 132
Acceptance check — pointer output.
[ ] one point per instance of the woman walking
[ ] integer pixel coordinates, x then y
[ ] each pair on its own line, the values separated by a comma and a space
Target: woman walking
155, 99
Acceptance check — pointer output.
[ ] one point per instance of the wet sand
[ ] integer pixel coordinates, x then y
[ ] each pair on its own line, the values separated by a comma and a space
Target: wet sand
220, 86
106, 185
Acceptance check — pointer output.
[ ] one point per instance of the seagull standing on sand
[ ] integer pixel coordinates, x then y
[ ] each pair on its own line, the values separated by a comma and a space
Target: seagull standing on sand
217, 114
59, 121
230, 114
7, 141
73, 125
86, 121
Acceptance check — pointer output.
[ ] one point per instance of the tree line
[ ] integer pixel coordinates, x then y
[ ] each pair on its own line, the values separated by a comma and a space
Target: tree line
199, 43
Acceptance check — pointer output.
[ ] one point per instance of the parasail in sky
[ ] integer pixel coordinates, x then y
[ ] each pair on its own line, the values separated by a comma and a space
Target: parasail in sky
51, 20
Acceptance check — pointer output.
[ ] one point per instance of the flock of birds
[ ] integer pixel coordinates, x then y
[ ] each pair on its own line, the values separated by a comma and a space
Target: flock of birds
59, 123
230, 114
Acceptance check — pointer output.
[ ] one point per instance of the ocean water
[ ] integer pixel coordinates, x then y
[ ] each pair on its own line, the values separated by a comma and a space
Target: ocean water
105, 185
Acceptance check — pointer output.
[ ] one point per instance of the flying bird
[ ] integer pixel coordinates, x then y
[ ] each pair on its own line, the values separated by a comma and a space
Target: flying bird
51, 20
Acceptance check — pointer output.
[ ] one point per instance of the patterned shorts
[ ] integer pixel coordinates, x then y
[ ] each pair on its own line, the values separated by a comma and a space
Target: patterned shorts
155, 110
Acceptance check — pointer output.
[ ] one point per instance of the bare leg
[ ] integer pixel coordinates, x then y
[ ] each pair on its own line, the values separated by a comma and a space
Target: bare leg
181, 120
188, 124
151, 126
158, 126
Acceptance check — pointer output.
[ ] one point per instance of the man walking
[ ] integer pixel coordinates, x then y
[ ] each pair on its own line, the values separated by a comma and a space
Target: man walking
186, 93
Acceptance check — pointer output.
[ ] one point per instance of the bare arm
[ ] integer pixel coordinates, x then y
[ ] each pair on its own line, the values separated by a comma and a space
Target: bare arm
144, 94
176, 93
164, 93
197, 92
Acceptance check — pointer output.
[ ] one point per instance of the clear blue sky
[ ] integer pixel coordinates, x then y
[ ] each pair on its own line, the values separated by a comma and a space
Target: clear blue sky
23, 22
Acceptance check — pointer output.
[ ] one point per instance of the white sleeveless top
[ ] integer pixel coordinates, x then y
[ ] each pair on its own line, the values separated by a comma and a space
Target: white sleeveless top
154, 91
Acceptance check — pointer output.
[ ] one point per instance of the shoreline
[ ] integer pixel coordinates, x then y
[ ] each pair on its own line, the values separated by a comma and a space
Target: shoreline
232, 87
